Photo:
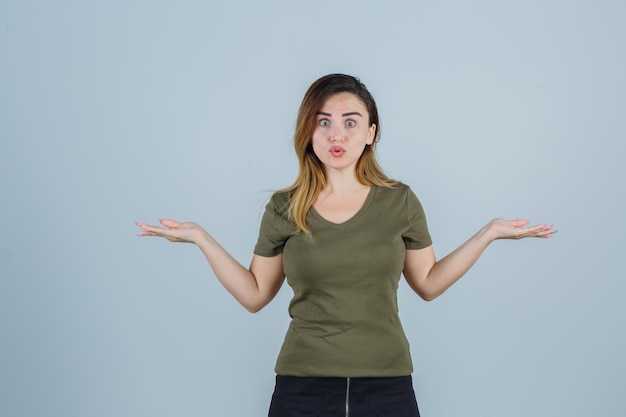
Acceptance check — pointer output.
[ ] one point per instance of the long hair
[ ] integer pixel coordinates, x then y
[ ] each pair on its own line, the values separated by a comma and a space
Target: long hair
311, 178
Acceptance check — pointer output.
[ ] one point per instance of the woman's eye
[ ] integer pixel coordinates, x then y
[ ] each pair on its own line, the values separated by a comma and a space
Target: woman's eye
324, 123
350, 123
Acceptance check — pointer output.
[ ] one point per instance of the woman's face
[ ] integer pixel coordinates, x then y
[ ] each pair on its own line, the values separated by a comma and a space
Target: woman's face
342, 131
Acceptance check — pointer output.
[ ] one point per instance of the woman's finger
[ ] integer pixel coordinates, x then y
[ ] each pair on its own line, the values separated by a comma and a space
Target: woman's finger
169, 223
542, 230
520, 222
148, 230
171, 230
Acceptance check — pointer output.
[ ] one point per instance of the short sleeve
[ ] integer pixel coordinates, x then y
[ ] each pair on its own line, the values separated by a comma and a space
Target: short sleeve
275, 227
417, 235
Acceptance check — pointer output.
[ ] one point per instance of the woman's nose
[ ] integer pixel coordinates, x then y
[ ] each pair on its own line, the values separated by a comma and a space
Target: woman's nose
337, 135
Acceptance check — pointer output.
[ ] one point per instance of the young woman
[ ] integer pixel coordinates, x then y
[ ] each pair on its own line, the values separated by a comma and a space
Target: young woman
342, 234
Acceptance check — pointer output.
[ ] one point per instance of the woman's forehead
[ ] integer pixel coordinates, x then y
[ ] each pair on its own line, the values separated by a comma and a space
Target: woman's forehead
343, 102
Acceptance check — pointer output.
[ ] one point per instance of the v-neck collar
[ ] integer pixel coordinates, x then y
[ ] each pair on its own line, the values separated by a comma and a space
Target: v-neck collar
355, 217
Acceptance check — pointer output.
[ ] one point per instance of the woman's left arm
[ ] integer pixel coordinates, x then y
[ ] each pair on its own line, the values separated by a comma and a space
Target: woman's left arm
430, 278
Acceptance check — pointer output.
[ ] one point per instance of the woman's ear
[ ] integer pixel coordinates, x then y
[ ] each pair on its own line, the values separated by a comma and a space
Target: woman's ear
371, 135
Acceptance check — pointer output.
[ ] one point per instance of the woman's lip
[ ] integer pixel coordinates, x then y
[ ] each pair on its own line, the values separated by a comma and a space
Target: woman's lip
337, 151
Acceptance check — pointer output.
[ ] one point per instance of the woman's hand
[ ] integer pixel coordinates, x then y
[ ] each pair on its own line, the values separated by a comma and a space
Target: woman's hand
517, 229
173, 231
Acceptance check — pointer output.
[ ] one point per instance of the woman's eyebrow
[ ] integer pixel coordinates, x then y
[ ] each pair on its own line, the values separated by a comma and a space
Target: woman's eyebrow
352, 113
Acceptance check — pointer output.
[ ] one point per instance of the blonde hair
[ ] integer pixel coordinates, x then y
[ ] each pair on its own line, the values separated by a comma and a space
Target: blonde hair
311, 179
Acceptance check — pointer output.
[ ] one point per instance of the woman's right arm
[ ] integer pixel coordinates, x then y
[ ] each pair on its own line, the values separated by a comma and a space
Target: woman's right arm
252, 287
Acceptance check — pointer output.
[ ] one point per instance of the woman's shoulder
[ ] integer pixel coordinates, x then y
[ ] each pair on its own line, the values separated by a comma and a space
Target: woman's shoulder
399, 195
398, 189
280, 196
279, 201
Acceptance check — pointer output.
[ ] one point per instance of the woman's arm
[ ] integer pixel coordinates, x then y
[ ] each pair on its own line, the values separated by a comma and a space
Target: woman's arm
430, 278
253, 288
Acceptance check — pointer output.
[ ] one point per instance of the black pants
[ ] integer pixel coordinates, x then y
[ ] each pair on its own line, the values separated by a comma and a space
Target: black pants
343, 397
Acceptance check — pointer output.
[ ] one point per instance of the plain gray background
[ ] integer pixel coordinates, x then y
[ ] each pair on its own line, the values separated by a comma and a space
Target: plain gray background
122, 111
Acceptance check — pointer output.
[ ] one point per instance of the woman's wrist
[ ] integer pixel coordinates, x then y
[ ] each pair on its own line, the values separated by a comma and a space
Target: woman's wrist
489, 232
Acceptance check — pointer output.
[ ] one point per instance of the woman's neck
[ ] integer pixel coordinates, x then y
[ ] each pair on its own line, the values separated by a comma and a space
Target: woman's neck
342, 183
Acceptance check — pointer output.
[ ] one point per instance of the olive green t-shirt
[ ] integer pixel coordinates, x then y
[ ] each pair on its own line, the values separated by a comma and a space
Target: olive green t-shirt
344, 312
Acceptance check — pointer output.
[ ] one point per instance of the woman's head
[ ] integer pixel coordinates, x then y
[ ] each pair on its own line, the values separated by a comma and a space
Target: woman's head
315, 97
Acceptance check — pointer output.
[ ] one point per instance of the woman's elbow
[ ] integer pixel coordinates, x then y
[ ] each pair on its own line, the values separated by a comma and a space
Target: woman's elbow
428, 297
254, 307
422, 291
